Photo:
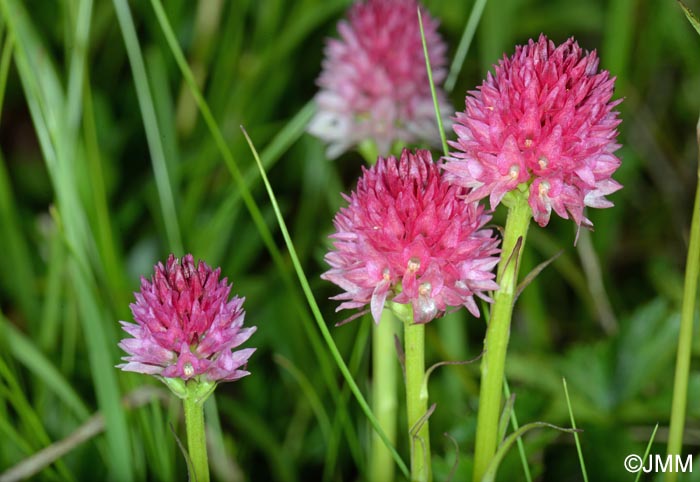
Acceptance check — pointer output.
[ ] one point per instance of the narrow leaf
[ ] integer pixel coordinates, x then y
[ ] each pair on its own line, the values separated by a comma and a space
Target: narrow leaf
490, 474
505, 417
573, 424
646, 452
533, 274
694, 21
317, 313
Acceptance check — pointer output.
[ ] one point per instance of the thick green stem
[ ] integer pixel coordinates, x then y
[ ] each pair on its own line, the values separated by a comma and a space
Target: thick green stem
498, 333
417, 399
690, 289
384, 396
196, 438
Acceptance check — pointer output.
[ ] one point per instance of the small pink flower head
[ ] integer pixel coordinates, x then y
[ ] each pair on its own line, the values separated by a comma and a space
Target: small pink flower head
374, 84
185, 325
546, 119
408, 236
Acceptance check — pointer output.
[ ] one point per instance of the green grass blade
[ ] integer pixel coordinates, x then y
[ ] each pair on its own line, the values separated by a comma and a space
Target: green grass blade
50, 322
694, 21
288, 135
111, 258
259, 435
101, 360
311, 396
256, 215
646, 453
519, 441
361, 342
150, 122
215, 131
464, 44
497, 32
15, 247
77, 64
29, 355
618, 43
46, 100
490, 474
215, 433
7, 47
436, 104
28, 419
319, 317
10, 434
573, 425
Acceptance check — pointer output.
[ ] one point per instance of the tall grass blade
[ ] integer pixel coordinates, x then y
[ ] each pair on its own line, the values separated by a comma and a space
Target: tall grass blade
491, 472
646, 453
516, 426
27, 418
573, 425
47, 106
464, 44
436, 104
319, 317
256, 215
311, 396
29, 355
694, 21
150, 123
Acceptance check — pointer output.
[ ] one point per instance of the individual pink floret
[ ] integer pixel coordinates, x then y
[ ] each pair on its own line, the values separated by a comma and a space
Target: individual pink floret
545, 118
408, 236
185, 325
374, 84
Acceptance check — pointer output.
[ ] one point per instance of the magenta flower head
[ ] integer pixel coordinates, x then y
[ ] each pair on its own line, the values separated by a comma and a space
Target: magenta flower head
409, 237
374, 84
186, 327
544, 122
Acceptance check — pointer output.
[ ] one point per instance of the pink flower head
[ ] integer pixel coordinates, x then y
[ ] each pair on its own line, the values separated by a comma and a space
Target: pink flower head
408, 236
546, 119
185, 325
374, 84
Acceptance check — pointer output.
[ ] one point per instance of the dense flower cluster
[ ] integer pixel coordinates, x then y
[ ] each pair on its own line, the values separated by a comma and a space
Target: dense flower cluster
185, 325
374, 84
408, 236
545, 118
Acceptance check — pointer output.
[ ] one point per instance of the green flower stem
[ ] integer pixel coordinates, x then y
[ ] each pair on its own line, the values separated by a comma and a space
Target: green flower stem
416, 398
384, 396
498, 333
196, 438
384, 370
685, 336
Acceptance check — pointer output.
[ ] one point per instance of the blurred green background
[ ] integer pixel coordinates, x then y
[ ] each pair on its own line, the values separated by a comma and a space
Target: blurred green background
107, 165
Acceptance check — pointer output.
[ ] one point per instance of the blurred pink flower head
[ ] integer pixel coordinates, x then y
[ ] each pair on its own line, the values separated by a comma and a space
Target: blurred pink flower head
185, 325
408, 236
374, 84
546, 119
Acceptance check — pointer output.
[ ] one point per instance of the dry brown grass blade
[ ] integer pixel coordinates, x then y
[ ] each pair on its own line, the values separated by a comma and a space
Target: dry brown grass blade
95, 425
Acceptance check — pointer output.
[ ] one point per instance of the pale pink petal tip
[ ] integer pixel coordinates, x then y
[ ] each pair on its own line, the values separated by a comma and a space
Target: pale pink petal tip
545, 118
374, 84
409, 237
186, 325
